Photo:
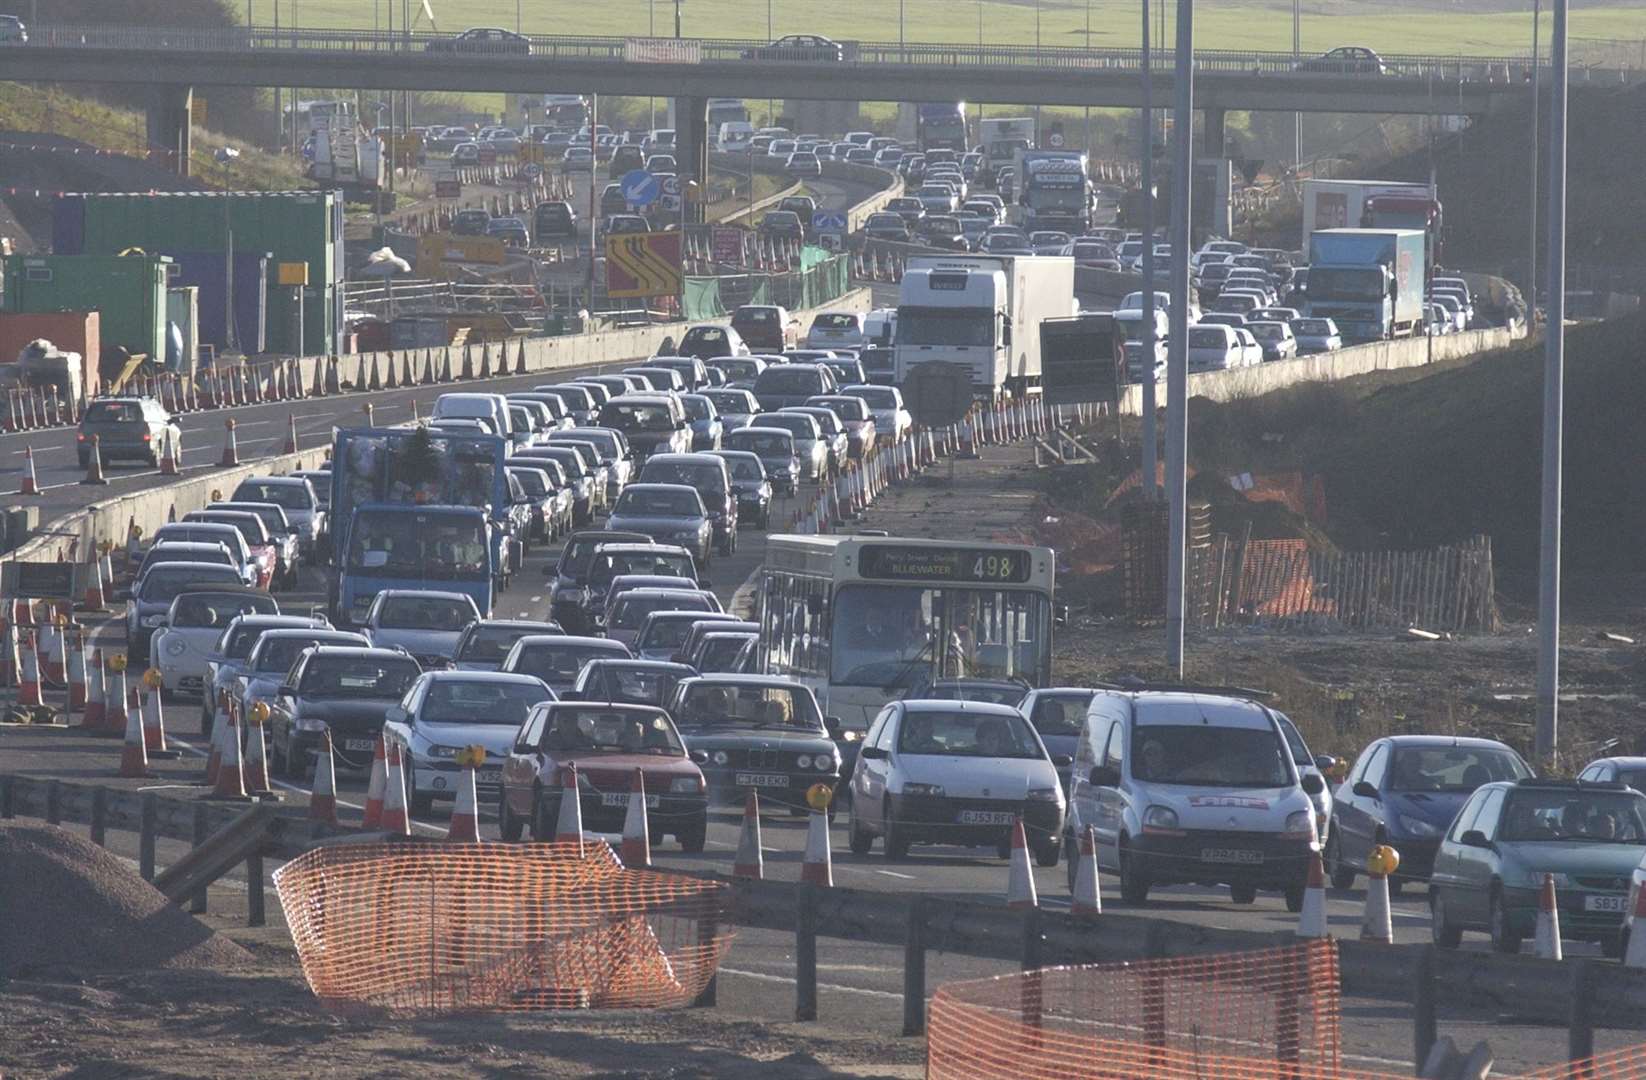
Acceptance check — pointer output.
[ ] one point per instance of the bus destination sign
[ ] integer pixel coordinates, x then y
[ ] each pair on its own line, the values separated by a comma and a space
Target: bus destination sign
984, 566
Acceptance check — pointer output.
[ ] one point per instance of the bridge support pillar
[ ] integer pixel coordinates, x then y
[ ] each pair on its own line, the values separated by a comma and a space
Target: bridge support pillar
169, 107
1215, 134
691, 148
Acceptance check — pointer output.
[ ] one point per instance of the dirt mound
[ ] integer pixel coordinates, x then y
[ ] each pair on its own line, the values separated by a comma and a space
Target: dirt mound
68, 906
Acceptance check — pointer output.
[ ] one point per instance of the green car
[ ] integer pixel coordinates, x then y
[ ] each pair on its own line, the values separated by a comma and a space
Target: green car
1588, 835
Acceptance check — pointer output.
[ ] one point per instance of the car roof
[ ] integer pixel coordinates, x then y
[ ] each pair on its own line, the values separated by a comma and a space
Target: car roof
1175, 707
1620, 762
747, 680
924, 705
570, 639
510, 622
637, 546
608, 706
363, 651
459, 675
426, 594
227, 590
761, 429
283, 481
637, 662
671, 594
700, 458
210, 570
185, 545
1470, 741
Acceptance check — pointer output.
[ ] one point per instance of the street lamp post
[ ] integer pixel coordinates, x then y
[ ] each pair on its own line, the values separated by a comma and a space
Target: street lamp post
1177, 370
1151, 472
1531, 244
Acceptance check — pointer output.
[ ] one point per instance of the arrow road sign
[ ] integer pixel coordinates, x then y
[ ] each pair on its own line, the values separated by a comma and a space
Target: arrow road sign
639, 187
829, 221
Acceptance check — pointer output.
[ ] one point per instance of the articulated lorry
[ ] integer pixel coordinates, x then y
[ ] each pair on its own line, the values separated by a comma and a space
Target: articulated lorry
982, 312
1054, 190
412, 508
1370, 281
1372, 204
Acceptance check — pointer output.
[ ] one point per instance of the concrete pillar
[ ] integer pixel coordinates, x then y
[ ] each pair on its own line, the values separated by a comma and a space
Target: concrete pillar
691, 147
1214, 135
169, 106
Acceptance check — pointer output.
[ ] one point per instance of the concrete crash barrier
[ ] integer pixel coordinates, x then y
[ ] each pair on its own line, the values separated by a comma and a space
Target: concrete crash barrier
420, 928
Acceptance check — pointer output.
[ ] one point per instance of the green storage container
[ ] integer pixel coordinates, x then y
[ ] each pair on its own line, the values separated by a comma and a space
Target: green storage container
129, 292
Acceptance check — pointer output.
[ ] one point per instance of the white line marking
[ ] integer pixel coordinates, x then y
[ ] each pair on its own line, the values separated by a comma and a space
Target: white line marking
895, 874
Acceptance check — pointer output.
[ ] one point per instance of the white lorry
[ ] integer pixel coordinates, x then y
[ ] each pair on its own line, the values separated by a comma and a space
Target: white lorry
1000, 138
1341, 204
982, 312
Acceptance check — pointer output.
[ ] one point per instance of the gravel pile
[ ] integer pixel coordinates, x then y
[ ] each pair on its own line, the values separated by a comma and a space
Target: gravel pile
69, 907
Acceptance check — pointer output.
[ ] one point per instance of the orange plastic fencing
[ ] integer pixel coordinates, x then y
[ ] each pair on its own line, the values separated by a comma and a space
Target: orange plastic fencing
428, 928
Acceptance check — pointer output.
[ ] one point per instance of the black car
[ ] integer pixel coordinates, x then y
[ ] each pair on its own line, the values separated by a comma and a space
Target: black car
471, 223
483, 41
127, 427
782, 225
346, 690
751, 486
1345, 60
798, 47
554, 221
756, 733
568, 596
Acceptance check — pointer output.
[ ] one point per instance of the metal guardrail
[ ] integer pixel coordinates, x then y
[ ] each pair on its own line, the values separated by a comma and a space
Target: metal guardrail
854, 54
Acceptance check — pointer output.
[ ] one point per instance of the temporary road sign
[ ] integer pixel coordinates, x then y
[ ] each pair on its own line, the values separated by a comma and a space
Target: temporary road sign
671, 184
643, 264
829, 221
639, 187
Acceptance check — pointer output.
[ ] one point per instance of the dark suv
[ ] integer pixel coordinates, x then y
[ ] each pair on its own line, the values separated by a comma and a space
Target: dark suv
554, 221
127, 427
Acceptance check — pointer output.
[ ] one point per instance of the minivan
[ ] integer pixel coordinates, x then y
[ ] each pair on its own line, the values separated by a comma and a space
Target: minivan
493, 408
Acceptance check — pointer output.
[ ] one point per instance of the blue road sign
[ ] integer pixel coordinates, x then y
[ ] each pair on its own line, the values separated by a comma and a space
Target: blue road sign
532, 171
639, 187
829, 221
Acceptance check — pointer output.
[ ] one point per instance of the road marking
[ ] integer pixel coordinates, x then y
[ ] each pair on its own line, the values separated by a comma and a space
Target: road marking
895, 874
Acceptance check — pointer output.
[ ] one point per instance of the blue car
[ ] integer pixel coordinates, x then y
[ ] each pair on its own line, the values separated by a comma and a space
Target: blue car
1404, 791
705, 421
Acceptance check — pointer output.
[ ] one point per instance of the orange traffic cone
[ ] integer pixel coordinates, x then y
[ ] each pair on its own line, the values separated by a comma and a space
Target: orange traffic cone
1020, 891
231, 777
134, 759
28, 690
257, 753
636, 851
95, 598
1088, 897
375, 787
94, 463
1311, 922
395, 819
31, 486
568, 828
114, 712
231, 447
169, 454
1547, 938
92, 718
750, 863
323, 799
817, 868
465, 822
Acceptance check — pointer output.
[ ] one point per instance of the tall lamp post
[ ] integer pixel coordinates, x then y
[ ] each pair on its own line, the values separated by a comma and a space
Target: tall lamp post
1177, 370
1151, 470
1531, 240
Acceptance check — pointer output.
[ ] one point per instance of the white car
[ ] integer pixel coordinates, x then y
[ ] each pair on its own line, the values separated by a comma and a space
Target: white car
832, 329
445, 711
1316, 336
892, 422
184, 643
424, 622
1213, 347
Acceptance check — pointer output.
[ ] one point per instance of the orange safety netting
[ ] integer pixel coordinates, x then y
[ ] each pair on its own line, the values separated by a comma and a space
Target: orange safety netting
419, 928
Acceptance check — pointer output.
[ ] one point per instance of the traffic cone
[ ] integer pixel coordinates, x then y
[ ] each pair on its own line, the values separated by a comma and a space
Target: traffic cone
1377, 922
817, 867
231, 777
154, 717
568, 829
114, 711
465, 822
231, 446
750, 863
214, 759
1311, 922
55, 672
1635, 955
13, 655
1020, 885
28, 688
31, 486
95, 599
169, 454
257, 753
375, 786
77, 675
1087, 898
486, 360
323, 797
134, 758
636, 851
92, 719
94, 465
1546, 941
395, 818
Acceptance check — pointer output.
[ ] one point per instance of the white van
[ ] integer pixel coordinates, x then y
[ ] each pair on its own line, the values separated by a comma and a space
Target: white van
880, 326
1183, 786
493, 408
735, 136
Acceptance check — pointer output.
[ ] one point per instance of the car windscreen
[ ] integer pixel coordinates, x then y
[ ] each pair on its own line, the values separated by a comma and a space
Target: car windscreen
1452, 768
576, 729
1206, 755
491, 644
1060, 714
357, 677
418, 545
878, 397
424, 613
967, 734
702, 476
636, 416
657, 503
1564, 815
279, 653
219, 609
1207, 339
747, 705
667, 630
113, 412
787, 380
1311, 326
761, 443
639, 685
286, 496
162, 584
560, 663
165, 553
249, 526
848, 408
608, 565
532, 481
835, 320
697, 407
632, 610
480, 701
747, 469
733, 401
994, 695
719, 652
705, 335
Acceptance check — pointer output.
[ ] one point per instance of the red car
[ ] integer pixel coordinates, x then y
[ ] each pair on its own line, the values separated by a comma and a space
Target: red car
606, 742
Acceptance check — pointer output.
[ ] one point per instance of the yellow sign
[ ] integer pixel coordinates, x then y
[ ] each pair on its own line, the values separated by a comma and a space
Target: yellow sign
197, 110
293, 273
643, 264
438, 254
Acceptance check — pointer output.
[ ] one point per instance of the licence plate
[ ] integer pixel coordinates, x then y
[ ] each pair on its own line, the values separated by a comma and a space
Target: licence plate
760, 779
621, 798
489, 776
1619, 904
986, 817
359, 744
1230, 855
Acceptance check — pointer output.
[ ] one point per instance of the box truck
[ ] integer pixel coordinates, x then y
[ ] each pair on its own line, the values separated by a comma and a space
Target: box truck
1000, 138
1343, 204
1370, 281
982, 312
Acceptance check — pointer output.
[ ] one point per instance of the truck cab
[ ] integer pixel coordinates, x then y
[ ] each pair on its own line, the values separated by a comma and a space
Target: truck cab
1369, 281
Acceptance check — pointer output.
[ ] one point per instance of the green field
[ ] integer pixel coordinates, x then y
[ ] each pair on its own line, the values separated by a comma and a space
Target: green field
1612, 35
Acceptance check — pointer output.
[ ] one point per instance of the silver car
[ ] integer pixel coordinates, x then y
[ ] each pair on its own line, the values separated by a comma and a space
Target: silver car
425, 623
272, 655
486, 643
1316, 336
811, 449
297, 497
227, 663
445, 711
669, 514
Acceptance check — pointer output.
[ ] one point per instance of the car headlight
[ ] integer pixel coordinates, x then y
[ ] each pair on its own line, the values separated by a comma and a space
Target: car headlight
309, 724
686, 785
930, 791
176, 648
823, 762
1159, 819
720, 757
152, 621
1300, 825
804, 761
1044, 794
442, 751
1415, 826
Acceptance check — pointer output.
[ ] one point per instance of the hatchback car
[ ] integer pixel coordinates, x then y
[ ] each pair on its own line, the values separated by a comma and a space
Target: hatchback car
751, 487
425, 623
705, 421
273, 652
445, 711
297, 497
1275, 338
554, 220
557, 658
652, 423
740, 372
1057, 715
709, 341
568, 592
664, 631
227, 663
954, 773
1588, 836
608, 743
668, 513
892, 422
152, 595
628, 682
127, 428
775, 448
627, 611
756, 733
1316, 336
346, 690
812, 449
708, 475
853, 415
735, 408
194, 623
484, 644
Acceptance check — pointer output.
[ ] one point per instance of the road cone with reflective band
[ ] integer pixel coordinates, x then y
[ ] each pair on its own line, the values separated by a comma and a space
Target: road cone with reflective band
465, 822
375, 786
257, 752
30, 485
1377, 922
94, 599
395, 819
231, 446
214, 759
749, 862
291, 436
1087, 898
169, 454
55, 672
92, 718
28, 684
134, 759
568, 828
154, 718
1635, 955
818, 868
636, 851
114, 710
1547, 938
1020, 885
1311, 923
231, 776
323, 799
77, 674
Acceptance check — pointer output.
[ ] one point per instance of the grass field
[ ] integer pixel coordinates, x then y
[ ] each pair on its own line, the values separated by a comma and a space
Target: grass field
1608, 34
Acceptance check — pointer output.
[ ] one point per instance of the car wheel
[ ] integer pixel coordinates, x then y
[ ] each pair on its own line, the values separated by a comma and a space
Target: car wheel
859, 839
1444, 933
895, 844
693, 838
1134, 886
1504, 940
1294, 898
542, 827
1343, 876
206, 722
1615, 946
508, 826
1047, 851
1245, 894
1071, 860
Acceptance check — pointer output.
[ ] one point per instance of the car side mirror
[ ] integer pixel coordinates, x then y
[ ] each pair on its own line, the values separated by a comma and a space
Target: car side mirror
287, 690
1325, 763
874, 753
700, 756
1312, 783
122, 594
1062, 761
1104, 776
1474, 838
396, 714
831, 724
1365, 790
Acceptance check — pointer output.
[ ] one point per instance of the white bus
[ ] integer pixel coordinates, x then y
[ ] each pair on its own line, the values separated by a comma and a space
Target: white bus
864, 620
